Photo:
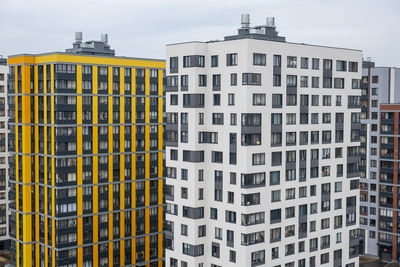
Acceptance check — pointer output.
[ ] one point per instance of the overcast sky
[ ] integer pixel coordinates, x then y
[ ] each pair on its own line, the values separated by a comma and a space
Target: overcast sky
141, 28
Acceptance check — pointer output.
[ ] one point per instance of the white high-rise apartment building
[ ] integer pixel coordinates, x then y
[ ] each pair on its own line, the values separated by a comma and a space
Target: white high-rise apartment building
262, 142
4, 236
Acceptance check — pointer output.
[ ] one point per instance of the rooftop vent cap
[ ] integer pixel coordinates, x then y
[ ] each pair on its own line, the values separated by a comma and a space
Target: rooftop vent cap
78, 37
104, 38
245, 20
271, 22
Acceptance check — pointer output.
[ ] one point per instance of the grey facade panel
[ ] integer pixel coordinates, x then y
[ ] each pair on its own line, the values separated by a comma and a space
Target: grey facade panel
292, 90
303, 109
327, 74
314, 163
184, 126
339, 125
251, 129
276, 128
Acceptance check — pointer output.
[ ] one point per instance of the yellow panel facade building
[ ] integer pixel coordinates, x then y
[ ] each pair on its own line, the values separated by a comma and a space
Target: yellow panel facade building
86, 165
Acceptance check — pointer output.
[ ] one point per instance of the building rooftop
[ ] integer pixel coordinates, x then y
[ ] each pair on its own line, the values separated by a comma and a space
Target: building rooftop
265, 32
91, 47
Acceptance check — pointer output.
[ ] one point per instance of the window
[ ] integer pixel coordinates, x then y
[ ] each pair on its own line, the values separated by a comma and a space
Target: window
184, 82
291, 138
353, 67
276, 158
216, 99
291, 100
258, 257
315, 82
232, 256
184, 136
304, 63
326, 100
233, 118
259, 99
251, 119
187, 61
174, 100
289, 230
218, 118
326, 137
302, 191
231, 197
291, 80
232, 178
173, 64
232, 59
303, 81
315, 63
214, 61
292, 62
213, 213
314, 118
274, 178
229, 238
290, 193
339, 83
355, 84
338, 100
275, 216
202, 231
258, 159
291, 175
277, 80
233, 79
303, 100
231, 99
276, 100
202, 80
327, 64
313, 208
216, 82
251, 79
276, 119
290, 118
215, 251
275, 252
277, 61
289, 213
201, 118
327, 82
341, 65
275, 195
184, 229
259, 59
230, 216
216, 156
218, 233
353, 101
289, 249
324, 258
303, 155
326, 117
276, 139
338, 187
